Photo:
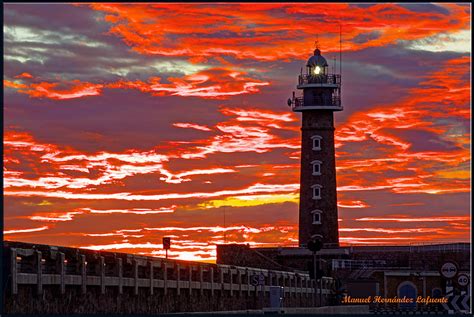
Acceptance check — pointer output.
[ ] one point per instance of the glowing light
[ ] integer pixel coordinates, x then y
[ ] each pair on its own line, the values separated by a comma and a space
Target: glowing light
317, 70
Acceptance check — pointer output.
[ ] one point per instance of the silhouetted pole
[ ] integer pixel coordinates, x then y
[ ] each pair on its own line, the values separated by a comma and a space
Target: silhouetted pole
225, 228
320, 285
315, 245
315, 270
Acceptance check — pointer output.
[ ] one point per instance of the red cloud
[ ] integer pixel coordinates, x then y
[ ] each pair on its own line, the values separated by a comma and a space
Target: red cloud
191, 126
214, 83
443, 95
269, 31
201, 247
16, 231
24, 75
352, 204
51, 170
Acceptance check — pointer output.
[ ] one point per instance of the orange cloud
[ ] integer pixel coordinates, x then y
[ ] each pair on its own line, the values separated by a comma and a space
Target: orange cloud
112, 166
24, 75
56, 168
252, 189
74, 89
14, 231
382, 230
179, 178
258, 115
136, 211
13, 84
249, 131
249, 160
442, 97
352, 204
191, 126
417, 219
202, 245
55, 217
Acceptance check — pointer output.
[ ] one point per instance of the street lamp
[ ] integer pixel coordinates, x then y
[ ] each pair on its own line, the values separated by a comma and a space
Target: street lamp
315, 245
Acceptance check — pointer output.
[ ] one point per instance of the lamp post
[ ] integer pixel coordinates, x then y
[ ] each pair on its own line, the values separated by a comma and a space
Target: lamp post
166, 244
315, 245
225, 228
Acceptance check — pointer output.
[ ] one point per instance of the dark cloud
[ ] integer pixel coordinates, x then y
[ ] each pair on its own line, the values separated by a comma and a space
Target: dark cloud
425, 7
424, 141
366, 37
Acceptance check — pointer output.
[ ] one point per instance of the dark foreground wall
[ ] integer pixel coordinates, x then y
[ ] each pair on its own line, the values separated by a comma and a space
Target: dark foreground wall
73, 301
47, 279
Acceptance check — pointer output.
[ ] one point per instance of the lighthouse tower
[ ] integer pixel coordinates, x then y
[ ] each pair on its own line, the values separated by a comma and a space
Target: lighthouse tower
318, 219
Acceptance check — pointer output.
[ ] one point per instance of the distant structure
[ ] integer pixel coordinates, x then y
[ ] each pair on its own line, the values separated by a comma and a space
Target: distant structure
318, 218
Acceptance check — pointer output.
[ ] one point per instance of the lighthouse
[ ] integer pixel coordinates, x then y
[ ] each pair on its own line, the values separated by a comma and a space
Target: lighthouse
320, 98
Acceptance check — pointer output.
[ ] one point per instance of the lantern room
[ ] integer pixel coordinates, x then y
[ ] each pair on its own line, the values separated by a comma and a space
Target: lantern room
321, 87
317, 65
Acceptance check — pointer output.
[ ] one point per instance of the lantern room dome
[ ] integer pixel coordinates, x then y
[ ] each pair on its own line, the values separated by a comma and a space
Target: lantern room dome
317, 60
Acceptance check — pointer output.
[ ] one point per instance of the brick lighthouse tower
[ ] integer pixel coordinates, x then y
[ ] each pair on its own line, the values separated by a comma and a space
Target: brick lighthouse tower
318, 195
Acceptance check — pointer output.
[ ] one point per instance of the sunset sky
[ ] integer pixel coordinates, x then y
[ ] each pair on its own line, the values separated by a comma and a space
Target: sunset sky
124, 123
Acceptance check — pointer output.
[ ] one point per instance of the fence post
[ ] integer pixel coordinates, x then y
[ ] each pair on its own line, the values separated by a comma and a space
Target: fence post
165, 276
135, 276
240, 283
306, 286
83, 274
14, 271
221, 275
39, 273
178, 269
231, 282
248, 281
102, 275
151, 278
201, 280
290, 278
190, 279
120, 275
212, 281
62, 271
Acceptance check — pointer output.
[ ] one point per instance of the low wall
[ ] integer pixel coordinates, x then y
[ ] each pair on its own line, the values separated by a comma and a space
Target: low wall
346, 309
49, 280
343, 309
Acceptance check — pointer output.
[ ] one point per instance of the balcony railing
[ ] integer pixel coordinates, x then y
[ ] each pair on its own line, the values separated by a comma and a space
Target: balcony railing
298, 102
333, 79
